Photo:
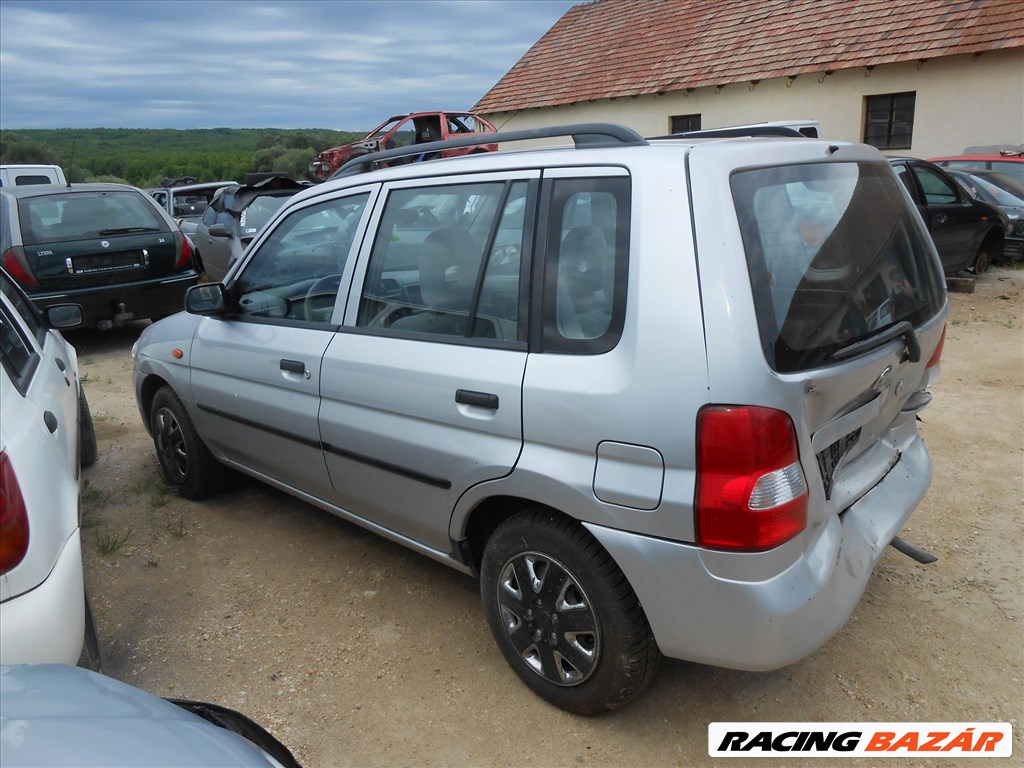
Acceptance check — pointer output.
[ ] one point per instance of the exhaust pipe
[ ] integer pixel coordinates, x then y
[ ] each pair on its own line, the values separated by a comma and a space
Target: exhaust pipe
922, 556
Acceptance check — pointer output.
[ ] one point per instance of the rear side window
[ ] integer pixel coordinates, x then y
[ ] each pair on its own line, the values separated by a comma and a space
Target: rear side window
85, 215
446, 262
16, 353
586, 264
835, 255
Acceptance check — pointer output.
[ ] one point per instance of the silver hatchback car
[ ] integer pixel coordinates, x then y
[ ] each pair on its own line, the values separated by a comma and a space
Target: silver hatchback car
660, 395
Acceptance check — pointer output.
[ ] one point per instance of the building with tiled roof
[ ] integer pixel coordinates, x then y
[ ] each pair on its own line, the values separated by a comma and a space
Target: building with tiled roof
923, 77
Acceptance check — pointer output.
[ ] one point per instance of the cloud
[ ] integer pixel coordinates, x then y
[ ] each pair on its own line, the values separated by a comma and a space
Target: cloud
346, 65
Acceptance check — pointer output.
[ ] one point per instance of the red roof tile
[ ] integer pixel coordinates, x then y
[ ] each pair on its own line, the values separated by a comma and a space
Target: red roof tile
613, 48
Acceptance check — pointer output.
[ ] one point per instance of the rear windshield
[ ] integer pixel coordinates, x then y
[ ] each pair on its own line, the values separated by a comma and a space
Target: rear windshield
258, 213
835, 255
86, 215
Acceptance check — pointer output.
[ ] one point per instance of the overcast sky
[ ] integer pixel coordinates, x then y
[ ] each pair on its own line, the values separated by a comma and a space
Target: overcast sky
288, 64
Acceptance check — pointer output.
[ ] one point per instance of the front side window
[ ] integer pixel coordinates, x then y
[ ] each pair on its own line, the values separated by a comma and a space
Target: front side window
889, 120
296, 273
86, 215
937, 189
586, 264
835, 255
446, 262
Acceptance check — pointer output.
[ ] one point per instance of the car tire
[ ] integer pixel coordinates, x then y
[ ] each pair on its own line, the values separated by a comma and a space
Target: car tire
91, 657
185, 461
564, 615
88, 451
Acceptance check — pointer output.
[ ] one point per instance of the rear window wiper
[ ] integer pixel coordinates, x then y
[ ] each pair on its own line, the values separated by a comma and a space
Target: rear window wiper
127, 230
902, 330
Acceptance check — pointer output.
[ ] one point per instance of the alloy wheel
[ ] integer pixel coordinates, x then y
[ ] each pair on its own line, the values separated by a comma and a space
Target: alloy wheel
549, 618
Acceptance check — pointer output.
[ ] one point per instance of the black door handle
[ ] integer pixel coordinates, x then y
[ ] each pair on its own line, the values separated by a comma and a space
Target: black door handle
50, 421
481, 399
294, 366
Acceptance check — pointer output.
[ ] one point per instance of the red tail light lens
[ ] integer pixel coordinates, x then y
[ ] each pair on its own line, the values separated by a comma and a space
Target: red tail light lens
17, 267
184, 251
751, 492
13, 518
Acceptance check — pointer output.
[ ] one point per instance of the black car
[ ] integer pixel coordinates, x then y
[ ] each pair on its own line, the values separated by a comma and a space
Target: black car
1005, 193
108, 247
968, 233
235, 216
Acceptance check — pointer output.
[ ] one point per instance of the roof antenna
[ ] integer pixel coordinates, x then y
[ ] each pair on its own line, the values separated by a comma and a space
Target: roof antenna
71, 165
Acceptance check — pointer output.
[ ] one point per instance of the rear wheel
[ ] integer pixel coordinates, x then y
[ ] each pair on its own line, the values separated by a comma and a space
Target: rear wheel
88, 452
564, 615
185, 460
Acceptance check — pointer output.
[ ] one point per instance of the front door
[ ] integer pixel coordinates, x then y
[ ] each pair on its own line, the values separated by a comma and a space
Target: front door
421, 391
256, 373
951, 217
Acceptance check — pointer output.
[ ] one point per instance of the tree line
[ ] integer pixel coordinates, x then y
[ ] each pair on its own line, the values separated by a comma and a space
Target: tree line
143, 157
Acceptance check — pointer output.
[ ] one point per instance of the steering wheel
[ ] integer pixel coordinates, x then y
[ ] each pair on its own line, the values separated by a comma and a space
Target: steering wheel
313, 305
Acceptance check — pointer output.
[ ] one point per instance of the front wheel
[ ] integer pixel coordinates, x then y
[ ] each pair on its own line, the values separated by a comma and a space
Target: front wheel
564, 615
185, 461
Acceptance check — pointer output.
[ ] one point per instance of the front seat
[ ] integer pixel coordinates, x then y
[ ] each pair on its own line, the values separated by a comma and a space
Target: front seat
449, 263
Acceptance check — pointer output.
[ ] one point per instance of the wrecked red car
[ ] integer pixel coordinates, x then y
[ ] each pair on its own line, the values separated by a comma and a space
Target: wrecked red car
403, 130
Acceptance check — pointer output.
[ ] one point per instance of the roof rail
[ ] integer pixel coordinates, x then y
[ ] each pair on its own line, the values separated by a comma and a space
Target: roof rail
585, 135
728, 133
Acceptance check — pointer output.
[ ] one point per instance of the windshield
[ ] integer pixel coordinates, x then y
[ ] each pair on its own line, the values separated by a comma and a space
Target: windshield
82, 215
836, 254
1003, 191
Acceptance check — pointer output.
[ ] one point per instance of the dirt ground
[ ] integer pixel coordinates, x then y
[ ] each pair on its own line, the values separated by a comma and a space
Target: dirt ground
355, 651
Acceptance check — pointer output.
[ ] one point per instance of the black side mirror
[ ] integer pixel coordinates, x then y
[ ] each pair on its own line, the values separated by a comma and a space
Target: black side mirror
206, 299
64, 316
218, 230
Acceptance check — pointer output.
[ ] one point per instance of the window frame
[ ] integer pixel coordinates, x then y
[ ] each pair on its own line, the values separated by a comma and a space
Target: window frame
21, 378
889, 143
527, 257
689, 119
233, 287
545, 336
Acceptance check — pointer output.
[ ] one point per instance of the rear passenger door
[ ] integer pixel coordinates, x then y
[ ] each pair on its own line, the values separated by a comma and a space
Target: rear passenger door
421, 389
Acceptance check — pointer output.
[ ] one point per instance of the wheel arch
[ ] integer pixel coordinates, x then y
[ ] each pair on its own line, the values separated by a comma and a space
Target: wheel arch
481, 522
152, 384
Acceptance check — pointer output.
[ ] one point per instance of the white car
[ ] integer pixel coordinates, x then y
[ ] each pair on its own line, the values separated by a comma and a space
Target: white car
46, 434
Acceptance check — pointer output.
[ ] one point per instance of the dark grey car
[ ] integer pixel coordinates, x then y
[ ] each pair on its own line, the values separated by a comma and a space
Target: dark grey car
234, 217
968, 233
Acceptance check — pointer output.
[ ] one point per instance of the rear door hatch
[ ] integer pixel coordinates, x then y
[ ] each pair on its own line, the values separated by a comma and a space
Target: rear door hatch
79, 239
846, 295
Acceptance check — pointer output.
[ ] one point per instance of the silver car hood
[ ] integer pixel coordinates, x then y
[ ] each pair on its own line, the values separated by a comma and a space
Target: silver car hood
54, 714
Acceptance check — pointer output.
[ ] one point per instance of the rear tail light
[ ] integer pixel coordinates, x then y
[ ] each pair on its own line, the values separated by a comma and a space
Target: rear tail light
933, 369
17, 266
751, 492
13, 518
184, 250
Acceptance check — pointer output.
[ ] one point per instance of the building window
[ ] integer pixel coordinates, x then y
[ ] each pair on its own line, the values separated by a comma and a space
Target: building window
889, 120
684, 123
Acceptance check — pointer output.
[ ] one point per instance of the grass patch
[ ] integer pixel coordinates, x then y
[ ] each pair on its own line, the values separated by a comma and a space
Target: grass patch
154, 487
108, 542
94, 499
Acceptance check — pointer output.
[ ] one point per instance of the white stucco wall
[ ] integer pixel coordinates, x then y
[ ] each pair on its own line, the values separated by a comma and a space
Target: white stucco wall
962, 101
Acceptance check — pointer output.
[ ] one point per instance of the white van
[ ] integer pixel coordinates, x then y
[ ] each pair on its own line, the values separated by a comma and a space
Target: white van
22, 175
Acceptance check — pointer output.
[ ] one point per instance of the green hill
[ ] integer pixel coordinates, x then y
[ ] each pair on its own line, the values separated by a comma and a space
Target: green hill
144, 156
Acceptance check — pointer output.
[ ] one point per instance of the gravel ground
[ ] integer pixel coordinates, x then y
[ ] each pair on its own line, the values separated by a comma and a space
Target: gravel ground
355, 651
